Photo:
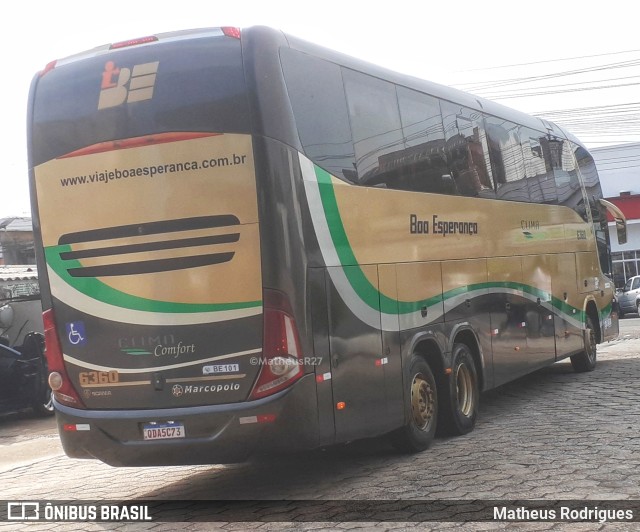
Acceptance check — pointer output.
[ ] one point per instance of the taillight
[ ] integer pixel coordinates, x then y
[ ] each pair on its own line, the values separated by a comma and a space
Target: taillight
281, 354
59, 381
133, 42
231, 32
50, 66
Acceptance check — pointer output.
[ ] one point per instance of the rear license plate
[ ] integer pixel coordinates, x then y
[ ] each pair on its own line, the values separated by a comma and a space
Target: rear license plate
163, 431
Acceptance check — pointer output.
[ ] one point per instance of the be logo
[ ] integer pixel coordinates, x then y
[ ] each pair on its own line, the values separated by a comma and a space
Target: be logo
126, 85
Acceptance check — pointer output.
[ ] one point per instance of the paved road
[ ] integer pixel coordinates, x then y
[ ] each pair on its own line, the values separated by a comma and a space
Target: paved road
553, 435
25, 439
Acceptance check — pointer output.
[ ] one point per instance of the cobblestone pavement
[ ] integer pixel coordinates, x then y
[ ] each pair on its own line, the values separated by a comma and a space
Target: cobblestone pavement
552, 435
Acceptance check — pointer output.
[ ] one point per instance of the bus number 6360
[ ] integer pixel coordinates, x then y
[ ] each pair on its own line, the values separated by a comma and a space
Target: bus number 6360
97, 378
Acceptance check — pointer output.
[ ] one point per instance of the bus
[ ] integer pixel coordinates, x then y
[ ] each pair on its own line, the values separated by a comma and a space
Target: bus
252, 244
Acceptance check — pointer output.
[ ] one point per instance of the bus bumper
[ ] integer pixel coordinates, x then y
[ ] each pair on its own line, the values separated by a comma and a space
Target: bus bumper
216, 434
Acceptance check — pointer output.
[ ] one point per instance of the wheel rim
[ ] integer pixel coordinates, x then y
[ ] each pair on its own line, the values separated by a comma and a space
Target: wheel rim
422, 402
464, 389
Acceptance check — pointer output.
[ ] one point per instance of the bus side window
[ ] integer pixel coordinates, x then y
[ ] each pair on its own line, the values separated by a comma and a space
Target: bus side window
568, 184
551, 151
507, 161
538, 178
421, 162
375, 123
467, 150
588, 175
320, 109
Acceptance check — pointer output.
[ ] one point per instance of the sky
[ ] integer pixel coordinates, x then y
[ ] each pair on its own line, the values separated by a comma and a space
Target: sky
468, 44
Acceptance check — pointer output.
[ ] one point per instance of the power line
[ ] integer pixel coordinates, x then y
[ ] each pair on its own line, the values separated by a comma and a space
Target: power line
529, 79
602, 124
548, 61
559, 91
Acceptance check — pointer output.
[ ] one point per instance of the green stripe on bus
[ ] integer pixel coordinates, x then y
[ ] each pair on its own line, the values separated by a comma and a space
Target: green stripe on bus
377, 300
363, 287
99, 291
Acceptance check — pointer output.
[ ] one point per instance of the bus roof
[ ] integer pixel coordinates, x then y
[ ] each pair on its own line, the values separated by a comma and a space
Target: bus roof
435, 89
280, 38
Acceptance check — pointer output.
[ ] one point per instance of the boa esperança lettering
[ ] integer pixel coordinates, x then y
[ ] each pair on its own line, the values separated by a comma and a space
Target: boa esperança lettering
437, 226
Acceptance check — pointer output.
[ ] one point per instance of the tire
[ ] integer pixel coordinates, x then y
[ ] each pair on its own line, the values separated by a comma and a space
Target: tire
45, 408
459, 407
586, 360
421, 403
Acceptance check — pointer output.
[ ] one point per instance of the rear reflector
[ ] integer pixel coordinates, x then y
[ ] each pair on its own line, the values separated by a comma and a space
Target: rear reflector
76, 427
264, 418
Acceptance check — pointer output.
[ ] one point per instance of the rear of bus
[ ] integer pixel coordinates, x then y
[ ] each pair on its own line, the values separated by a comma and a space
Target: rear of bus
163, 345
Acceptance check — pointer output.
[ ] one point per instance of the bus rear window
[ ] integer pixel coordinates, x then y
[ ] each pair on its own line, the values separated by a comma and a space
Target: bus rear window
163, 87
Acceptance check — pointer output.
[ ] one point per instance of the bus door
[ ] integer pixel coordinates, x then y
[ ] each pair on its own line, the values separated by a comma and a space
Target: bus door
588, 272
508, 319
356, 356
537, 273
569, 338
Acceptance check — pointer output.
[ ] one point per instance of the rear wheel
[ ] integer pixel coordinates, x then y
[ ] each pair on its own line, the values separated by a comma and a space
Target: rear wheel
586, 360
422, 406
459, 409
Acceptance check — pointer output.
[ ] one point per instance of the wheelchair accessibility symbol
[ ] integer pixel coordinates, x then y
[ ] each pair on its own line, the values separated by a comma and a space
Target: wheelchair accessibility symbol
75, 333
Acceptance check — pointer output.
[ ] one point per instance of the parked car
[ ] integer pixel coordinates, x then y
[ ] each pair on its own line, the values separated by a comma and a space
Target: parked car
629, 299
23, 377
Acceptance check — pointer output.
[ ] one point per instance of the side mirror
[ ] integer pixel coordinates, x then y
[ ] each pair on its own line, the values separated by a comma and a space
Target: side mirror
619, 218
